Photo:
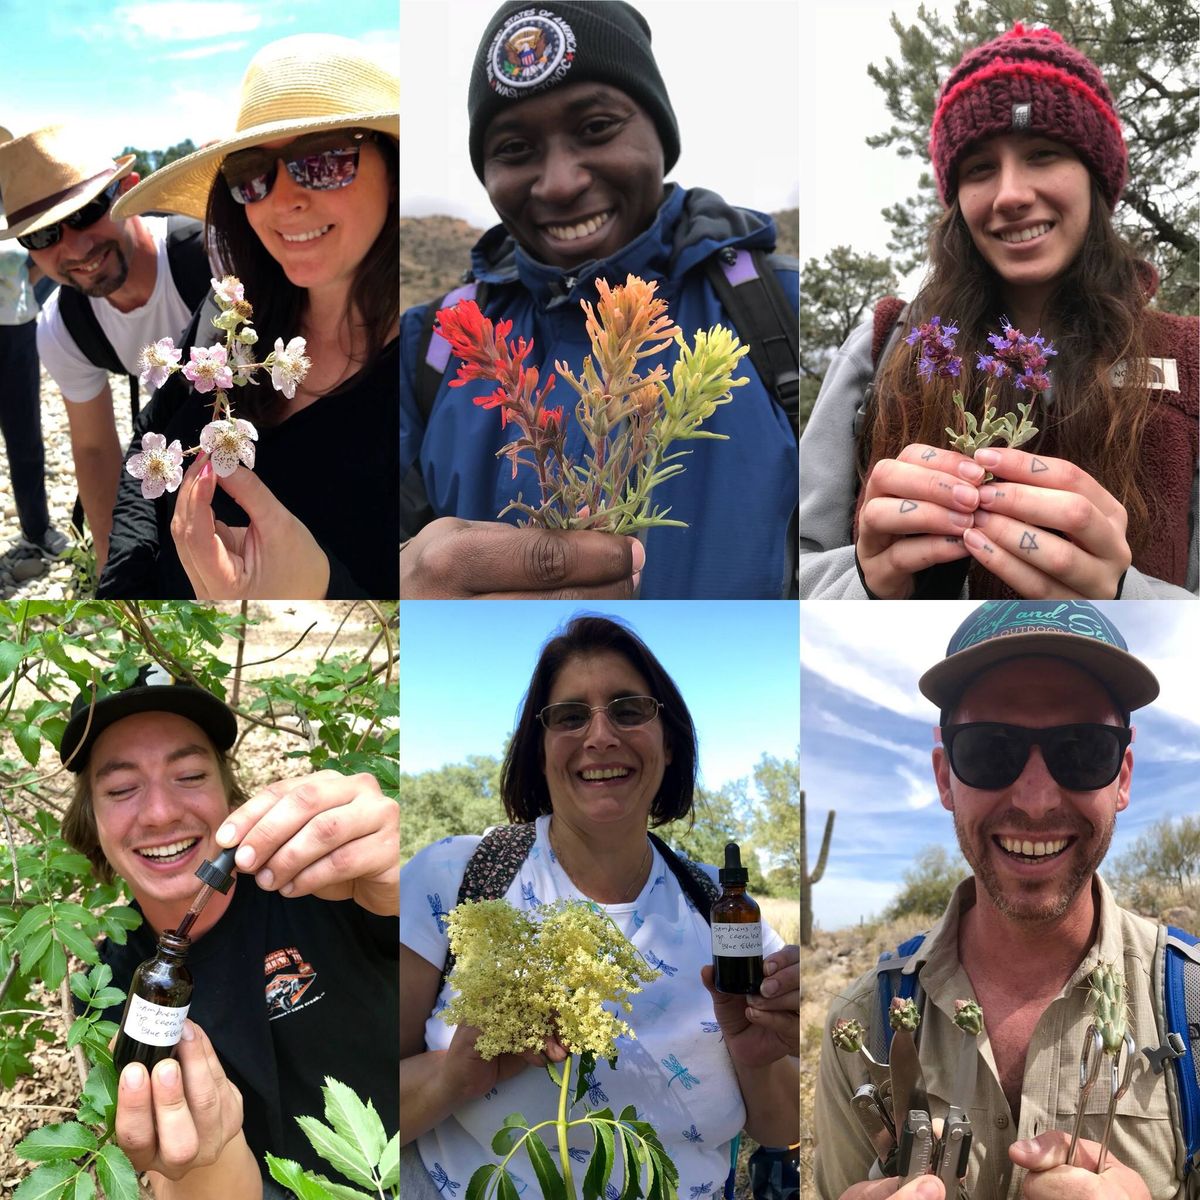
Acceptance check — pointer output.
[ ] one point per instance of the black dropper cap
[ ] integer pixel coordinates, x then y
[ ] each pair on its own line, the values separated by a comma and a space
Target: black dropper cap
218, 874
733, 871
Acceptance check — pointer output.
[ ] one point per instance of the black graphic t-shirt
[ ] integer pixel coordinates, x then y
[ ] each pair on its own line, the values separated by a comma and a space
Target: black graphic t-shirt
290, 991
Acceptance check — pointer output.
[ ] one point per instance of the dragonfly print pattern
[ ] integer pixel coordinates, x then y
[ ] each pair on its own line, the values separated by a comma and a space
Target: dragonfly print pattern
442, 1180
658, 964
680, 1072
440, 915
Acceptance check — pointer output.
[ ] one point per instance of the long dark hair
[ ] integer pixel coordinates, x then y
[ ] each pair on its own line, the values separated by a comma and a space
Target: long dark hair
1099, 309
522, 779
278, 303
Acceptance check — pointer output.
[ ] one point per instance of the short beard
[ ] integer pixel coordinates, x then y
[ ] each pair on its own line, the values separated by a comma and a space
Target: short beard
1047, 911
108, 285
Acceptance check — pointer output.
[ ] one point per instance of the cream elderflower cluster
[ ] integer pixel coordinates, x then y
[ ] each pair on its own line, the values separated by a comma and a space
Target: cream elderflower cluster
228, 440
523, 977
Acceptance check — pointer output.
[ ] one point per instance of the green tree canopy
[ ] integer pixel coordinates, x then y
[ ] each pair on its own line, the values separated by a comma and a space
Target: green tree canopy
1147, 52
145, 162
928, 883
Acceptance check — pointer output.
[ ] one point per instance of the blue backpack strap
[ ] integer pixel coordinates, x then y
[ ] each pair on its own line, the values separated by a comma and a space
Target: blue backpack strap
435, 357
729, 1192
891, 981
1181, 1010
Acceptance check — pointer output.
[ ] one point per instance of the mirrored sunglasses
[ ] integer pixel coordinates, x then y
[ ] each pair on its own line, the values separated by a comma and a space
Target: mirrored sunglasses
1081, 758
319, 162
81, 218
625, 712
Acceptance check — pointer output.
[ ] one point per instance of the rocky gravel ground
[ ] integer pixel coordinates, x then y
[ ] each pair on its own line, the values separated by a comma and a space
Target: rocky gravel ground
23, 571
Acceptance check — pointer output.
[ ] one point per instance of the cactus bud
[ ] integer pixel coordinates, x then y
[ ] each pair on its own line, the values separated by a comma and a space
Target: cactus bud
1107, 996
903, 1014
968, 1016
848, 1036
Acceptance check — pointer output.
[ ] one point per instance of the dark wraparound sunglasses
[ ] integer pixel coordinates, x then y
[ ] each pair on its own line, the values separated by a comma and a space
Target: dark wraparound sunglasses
1081, 758
625, 712
319, 162
81, 218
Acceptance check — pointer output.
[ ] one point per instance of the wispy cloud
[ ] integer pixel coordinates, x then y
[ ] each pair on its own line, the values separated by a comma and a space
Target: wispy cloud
921, 790
830, 723
182, 21
208, 51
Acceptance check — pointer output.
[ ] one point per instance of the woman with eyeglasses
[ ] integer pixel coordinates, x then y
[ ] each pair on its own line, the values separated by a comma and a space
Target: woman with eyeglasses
604, 750
300, 203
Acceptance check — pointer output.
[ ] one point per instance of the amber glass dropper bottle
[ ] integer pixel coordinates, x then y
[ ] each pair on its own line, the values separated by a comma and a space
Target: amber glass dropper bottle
161, 990
736, 931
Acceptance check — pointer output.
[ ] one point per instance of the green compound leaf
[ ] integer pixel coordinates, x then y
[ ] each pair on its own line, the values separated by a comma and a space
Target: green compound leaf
479, 1181
117, 1176
508, 1190
85, 1188
552, 1185
603, 1159
587, 1064
51, 1143
357, 1122
338, 1151
291, 1175
342, 1191
631, 1187
389, 1163
48, 1182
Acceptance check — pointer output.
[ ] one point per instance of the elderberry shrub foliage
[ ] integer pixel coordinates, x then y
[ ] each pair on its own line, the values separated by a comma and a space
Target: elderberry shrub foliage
338, 713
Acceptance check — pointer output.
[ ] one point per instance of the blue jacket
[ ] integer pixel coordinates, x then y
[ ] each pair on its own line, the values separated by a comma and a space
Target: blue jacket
737, 496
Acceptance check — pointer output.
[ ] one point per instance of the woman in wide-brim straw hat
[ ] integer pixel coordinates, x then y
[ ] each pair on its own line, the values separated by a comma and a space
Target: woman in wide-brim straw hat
1027, 146
300, 202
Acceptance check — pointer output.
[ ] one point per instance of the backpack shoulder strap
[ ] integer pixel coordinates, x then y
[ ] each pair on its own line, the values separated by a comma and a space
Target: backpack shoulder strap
81, 323
491, 868
433, 350
1179, 963
891, 980
762, 316
886, 325
697, 886
188, 259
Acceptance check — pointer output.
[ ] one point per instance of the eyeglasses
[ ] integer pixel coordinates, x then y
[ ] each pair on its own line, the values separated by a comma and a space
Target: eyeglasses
81, 218
625, 712
319, 162
1081, 758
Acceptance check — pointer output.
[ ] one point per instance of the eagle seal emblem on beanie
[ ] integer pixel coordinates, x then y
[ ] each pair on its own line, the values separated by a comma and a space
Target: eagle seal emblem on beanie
533, 49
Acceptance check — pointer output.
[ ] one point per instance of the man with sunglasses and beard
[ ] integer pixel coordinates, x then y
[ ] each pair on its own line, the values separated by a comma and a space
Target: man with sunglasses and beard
1034, 760
58, 193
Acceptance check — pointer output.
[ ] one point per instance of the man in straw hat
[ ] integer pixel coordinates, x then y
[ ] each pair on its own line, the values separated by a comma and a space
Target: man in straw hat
1034, 759
20, 402
58, 193
572, 132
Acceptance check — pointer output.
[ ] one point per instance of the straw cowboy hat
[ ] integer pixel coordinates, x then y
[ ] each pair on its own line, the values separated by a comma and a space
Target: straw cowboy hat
299, 85
49, 174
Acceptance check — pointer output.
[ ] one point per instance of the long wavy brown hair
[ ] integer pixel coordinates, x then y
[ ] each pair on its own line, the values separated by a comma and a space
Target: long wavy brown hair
1099, 320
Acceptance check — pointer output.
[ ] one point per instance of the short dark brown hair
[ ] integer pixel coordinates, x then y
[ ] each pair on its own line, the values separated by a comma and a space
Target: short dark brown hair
79, 822
522, 778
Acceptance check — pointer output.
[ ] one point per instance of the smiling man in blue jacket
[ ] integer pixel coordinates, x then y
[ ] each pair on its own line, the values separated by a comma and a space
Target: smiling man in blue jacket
572, 132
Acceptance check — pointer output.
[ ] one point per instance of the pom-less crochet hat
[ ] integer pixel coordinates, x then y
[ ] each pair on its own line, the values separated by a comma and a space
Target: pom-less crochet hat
1028, 81
525, 51
1072, 629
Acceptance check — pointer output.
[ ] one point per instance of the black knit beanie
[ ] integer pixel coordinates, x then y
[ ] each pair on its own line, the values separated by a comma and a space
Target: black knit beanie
529, 49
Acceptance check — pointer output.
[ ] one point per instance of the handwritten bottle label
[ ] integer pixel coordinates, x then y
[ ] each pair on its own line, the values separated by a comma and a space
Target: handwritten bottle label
154, 1024
730, 940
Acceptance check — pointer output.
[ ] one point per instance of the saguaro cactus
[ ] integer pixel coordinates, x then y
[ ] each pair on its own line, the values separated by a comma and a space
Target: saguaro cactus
807, 877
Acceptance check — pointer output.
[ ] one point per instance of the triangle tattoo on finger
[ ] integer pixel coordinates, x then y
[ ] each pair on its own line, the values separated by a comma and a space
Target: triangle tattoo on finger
907, 505
1037, 465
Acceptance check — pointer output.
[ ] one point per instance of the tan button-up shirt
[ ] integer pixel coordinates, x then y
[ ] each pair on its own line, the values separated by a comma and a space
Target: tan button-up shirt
1143, 1134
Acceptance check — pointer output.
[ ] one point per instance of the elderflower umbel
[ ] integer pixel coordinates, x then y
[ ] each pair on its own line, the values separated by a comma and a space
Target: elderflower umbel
523, 977
228, 440
158, 466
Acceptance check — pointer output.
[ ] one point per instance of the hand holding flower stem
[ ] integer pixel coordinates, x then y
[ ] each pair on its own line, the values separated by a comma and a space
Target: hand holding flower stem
228, 440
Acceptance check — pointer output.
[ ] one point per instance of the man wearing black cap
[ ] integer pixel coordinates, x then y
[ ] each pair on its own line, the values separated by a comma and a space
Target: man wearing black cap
289, 985
1034, 760
571, 133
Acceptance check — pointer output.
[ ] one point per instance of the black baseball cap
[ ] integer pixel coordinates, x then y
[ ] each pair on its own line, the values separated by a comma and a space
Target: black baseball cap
153, 690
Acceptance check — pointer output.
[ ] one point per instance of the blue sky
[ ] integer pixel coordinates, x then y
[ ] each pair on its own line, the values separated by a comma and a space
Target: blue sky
866, 737
152, 74
465, 666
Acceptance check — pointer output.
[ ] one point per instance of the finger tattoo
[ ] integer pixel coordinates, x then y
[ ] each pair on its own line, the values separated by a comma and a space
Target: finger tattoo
1028, 541
907, 506
928, 455
1037, 465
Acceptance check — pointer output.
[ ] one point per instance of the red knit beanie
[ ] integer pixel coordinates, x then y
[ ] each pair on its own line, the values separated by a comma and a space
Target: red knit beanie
1028, 81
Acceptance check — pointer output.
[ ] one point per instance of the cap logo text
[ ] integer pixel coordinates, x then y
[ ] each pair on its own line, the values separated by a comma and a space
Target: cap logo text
533, 49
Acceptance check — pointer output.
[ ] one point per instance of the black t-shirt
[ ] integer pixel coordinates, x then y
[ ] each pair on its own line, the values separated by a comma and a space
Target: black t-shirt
290, 991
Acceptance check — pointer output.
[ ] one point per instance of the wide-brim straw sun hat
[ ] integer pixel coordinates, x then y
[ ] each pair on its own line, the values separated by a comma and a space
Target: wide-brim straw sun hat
301, 84
49, 174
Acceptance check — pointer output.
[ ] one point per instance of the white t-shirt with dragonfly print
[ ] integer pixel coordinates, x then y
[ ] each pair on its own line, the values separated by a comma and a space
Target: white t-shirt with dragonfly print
676, 1073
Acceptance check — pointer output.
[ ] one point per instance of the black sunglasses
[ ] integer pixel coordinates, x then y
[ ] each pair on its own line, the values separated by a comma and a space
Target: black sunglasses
319, 162
81, 218
625, 712
1081, 758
